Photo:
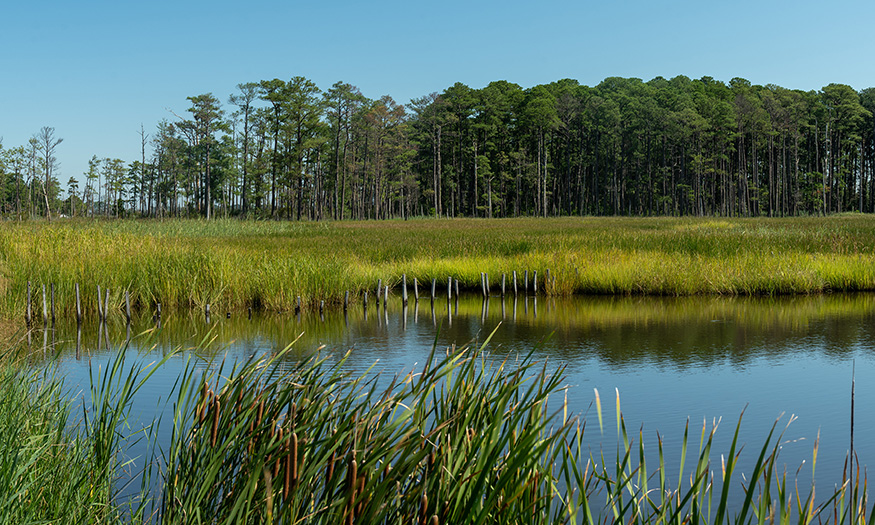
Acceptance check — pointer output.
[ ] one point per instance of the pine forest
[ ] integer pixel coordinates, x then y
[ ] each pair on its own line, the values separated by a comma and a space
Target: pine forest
286, 149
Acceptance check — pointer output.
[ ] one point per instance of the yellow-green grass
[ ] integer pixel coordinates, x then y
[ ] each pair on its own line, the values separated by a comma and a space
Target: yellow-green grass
236, 264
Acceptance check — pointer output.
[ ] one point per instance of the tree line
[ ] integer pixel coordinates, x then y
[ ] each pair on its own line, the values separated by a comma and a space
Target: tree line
286, 149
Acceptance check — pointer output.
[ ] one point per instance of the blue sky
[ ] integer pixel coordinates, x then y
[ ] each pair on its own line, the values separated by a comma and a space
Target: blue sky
96, 71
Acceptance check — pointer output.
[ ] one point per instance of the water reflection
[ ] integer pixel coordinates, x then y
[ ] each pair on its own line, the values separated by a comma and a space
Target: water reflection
621, 331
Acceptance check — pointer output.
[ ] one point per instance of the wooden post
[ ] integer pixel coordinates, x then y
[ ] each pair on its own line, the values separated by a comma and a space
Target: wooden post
404, 289
415, 290
28, 317
346, 301
456, 282
546, 279
486, 281
386, 296
78, 307
321, 307
128, 305
502, 285
379, 289
297, 305
99, 305
106, 306
482, 285
526, 282
45, 308
515, 291
433, 286
159, 311
365, 300
207, 312
449, 289
53, 304
535, 282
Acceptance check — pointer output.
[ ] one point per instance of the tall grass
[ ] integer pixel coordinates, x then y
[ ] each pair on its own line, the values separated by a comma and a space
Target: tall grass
269, 264
464, 438
54, 467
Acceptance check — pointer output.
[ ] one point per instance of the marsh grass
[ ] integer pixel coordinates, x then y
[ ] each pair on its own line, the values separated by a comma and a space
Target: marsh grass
236, 264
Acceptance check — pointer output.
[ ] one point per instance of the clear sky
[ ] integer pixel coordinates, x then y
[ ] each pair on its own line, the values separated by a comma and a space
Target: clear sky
96, 71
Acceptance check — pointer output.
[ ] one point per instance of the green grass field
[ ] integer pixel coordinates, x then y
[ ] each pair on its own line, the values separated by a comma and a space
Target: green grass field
234, 264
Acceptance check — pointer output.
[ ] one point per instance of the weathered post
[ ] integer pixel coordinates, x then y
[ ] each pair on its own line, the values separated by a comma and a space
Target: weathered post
128, 305
28, 317
78, 307
449, 289
346, 301
535, 282
404, 289
515, 291
106, 306
99, 305
526, 282
433, 286
45, 308
502, 285
297, 305
379, 289
415, 290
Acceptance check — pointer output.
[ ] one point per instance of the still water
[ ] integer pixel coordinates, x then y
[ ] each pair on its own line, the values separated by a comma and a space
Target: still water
671, 360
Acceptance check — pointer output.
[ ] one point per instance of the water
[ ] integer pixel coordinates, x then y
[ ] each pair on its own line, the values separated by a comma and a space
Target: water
672, 360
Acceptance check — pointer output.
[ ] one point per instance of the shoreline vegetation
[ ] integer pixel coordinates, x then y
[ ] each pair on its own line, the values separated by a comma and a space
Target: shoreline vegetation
268, 265
463, 438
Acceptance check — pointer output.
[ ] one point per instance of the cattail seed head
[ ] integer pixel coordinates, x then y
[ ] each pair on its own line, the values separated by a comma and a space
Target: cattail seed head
215, 433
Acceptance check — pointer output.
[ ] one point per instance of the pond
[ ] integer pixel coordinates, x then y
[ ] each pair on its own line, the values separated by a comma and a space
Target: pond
670, 360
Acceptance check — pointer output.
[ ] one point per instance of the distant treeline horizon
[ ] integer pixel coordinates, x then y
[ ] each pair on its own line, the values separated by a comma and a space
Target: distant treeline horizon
287, 149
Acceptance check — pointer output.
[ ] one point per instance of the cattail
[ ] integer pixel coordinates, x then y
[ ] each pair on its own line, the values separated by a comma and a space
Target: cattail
435, 520
423, 510
291, 473
351, 477
260, 413
361, 493
202, 405
276, 465
216, 407
330, 471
